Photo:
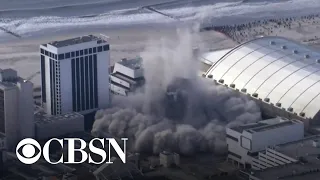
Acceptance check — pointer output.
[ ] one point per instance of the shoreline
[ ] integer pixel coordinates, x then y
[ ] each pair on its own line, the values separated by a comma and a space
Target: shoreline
23, 56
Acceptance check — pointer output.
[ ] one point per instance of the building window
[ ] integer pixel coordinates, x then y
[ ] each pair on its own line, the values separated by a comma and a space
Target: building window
99, 48
94, 50
233, 138
55, 56
86, 51
46, 53
43, 79
72, 54
106, 48
61, 56
81, 52
42, 51
234, 154
90, 51
77, 53
67, 55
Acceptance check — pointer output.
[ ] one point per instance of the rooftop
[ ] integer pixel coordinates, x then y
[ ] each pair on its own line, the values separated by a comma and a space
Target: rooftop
241, 128
303, 148
132, 63
265, 125
77, 40
43, 118
290, 171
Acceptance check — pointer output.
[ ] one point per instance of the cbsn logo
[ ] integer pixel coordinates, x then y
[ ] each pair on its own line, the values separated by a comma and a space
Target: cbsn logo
29, 147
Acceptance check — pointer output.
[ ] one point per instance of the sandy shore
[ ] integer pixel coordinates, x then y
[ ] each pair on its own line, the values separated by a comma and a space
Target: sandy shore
23, 55
124, 43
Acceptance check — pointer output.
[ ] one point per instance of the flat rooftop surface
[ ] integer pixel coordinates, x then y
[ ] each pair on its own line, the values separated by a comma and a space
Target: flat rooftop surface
290, 172
264, 125
241, 128
131, 63
77, 40
302, 148
43, 118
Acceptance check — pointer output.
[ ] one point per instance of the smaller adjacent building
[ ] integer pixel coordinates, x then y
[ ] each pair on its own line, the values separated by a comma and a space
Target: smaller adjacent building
126, 76
247, 143
168, 159
304, 155
56, 126
16, 107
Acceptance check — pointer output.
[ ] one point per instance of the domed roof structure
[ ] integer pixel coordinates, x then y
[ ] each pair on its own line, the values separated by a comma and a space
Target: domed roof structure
275, 70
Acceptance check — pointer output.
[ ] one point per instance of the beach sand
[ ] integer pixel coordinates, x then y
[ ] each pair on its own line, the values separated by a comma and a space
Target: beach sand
23, 55
124, 43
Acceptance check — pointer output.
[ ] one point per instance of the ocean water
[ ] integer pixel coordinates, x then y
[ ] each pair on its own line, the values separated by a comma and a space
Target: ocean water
30, 18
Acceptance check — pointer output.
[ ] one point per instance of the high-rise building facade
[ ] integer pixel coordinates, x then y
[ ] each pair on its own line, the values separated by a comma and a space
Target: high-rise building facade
75, 75
16, 107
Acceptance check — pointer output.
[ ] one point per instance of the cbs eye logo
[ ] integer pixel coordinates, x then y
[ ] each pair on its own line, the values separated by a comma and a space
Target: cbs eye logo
28, 151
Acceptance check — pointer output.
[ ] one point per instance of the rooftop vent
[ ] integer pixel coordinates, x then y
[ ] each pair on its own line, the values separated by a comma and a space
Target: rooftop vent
203, 75
272, 43
210, 76
244, 90
267, 99
278, 104
284, 47
307, 56
255, 95
290, 109
302, 114
221, 81
295, 51
232, 85
318, 60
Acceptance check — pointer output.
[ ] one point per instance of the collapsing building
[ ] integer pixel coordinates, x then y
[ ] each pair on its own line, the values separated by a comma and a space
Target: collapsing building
126, 76
282, 76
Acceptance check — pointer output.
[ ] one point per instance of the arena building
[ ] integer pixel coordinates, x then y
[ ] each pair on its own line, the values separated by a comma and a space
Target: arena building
281, 75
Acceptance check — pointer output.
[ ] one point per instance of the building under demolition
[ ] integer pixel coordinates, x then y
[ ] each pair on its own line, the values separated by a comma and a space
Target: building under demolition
281, 75
126, 76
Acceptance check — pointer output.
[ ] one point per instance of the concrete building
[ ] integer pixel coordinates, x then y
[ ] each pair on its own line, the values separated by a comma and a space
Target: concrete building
127, 75
305, 158
247, 143
281, 75
59, 125
16, 107
168, 159
74, 75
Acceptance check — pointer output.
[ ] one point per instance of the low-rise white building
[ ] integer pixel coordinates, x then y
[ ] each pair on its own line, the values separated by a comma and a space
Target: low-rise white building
246, 143
303, 154
126, 76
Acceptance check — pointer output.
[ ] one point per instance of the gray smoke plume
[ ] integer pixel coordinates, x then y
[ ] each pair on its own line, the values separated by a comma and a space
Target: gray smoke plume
177, 110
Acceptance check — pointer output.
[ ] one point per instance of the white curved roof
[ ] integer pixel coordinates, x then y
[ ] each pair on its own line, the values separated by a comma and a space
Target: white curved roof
213, 56
276, 68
